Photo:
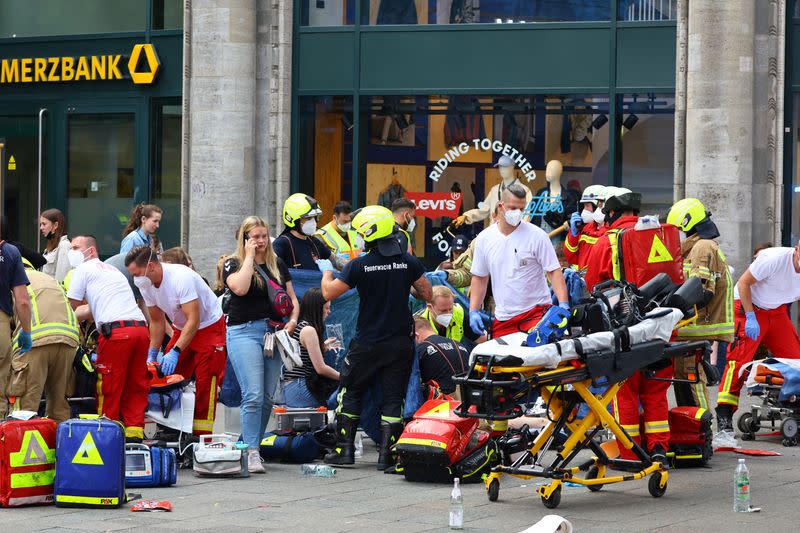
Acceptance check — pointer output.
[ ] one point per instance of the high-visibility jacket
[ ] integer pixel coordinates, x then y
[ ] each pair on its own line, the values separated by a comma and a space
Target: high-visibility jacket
603, 262
52, 318
455, 330
704, 259
578, 247
330, 235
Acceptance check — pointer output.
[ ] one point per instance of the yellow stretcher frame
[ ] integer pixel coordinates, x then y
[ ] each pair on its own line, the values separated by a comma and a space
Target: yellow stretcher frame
598, 415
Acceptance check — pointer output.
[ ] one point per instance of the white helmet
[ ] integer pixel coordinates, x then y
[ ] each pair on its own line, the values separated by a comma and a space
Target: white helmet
592, 194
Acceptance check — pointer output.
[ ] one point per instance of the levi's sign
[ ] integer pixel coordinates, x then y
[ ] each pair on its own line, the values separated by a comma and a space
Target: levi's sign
84, 68
436, 204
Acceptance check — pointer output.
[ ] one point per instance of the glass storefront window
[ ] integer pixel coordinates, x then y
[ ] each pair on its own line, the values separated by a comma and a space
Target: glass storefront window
482, 11
19, 167
167, 14
794, 203
647, 10
647, 138
100, 176
166, 186
327, 12
325, 145
33, 18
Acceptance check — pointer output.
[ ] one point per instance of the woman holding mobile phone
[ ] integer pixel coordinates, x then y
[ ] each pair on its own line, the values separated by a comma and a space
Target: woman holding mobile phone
250, 316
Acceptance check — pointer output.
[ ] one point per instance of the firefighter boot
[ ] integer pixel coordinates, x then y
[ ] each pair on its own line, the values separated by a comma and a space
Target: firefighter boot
343, 453
390, 432
724, 417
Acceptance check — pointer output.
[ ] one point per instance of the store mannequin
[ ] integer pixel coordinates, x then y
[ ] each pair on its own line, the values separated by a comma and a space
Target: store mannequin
555, 219
508, 175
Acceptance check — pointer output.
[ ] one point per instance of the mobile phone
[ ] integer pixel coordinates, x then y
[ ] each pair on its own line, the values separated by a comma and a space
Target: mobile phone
246, 237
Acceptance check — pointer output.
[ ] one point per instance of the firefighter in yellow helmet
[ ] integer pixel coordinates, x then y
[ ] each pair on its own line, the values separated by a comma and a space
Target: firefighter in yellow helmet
47, 367
702, 258
297, 245
383, 347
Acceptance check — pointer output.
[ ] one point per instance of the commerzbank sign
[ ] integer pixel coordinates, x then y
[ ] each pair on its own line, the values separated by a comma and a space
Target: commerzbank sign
105, 67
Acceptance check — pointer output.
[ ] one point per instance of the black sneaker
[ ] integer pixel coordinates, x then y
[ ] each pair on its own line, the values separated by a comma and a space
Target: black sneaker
659, 454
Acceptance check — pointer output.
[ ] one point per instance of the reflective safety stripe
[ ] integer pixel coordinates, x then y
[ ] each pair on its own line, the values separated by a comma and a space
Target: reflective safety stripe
700, 392
391, 419
571, 248
339, 398
134, 432
99, 390
202, 425
631, 429
707, 330
660, 426
423, 442
330, 235
212, 400
699, 414
33, 479
86, 500
499, 425
38, 329
613, 239
725, 397
587, 239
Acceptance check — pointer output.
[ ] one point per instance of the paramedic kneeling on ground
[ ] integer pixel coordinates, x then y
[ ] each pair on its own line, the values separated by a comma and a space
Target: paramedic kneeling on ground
198, 345
772, 281
517, 256
383, 345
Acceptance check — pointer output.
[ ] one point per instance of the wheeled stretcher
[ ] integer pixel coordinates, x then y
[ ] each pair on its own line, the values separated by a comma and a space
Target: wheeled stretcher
503, 373
777, 381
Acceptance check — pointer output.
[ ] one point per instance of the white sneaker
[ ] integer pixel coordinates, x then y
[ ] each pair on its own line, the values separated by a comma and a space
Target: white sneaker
254, 464
724, 439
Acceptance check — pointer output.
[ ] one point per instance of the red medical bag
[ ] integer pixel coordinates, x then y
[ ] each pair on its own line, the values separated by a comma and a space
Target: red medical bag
27, 461
647, 252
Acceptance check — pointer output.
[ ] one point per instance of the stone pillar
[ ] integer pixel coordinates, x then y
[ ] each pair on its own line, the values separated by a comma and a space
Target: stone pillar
221, 140
720, 109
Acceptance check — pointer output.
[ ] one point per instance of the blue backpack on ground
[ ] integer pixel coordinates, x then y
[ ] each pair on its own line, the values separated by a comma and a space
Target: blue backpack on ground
90, 463
297, 448
150, 467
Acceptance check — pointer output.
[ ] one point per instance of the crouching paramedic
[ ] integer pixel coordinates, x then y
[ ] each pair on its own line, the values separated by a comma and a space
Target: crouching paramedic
47, 367
702, 258
771, 281
383, 345
621, 209
197, 348
100, 292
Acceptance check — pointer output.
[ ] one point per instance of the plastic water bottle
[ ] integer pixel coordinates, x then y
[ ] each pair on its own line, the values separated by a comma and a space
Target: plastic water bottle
456, 507
317, 470
741, 488
242, 447
358, 446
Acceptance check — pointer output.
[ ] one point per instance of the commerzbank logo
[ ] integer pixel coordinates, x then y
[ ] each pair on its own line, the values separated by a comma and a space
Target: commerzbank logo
141, 66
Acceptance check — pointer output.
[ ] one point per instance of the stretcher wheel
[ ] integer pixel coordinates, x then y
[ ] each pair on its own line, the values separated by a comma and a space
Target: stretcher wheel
554, 499
788, 443
493, 492
654, 486
789, 428
592, 474
748, 423
748, 436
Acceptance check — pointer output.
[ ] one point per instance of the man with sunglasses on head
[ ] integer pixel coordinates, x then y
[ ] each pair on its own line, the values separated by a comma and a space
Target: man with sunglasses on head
100, 292
197, 347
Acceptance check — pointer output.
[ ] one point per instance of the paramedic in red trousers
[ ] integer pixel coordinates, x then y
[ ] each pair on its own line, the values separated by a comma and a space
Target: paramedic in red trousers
383, 346
622, 208
517, 256
585, 227
100, 292
197, 347
760, 298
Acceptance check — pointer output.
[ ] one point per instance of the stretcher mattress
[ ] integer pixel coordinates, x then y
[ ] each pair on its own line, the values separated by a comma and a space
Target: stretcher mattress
788, 368
658, 326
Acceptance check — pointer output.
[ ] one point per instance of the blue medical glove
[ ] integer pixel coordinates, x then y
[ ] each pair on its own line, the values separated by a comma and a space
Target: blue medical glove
93, 357
574, 224
751, 327
564, 306
25, 342
325, 265
439, 275
152, 355
476, 322
169, 363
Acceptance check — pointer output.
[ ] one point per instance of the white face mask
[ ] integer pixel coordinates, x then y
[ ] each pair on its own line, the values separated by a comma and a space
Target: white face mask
444, 319
143, 282
75, 258
411, 225
360, 244
309, 227
508, 174
682, 235
344, 227
599, 216
513, 217
587, 216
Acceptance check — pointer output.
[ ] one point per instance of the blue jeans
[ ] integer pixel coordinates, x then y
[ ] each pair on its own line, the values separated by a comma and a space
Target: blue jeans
258, 378
296, 394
